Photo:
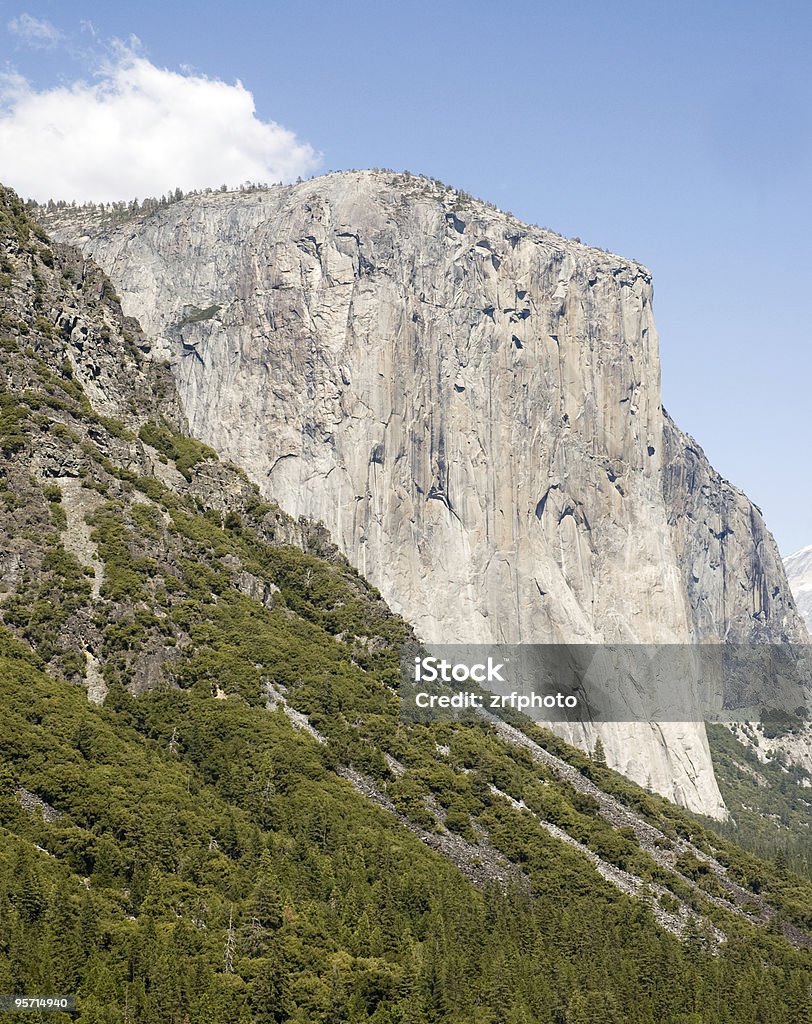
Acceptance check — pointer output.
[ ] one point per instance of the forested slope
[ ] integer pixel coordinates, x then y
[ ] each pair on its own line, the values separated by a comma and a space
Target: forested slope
237, 826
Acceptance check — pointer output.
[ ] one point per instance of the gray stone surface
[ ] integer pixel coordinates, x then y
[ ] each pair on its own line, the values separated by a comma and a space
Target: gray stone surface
472, 407
799, 574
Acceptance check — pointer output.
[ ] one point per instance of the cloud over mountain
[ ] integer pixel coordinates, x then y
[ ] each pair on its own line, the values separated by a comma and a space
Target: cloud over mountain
139, 130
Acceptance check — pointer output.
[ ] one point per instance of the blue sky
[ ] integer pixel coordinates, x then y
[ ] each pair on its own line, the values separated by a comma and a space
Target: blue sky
677, 134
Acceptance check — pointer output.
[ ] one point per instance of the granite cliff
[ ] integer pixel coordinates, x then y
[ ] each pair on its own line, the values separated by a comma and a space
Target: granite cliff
241, 780
799, 574
470, 405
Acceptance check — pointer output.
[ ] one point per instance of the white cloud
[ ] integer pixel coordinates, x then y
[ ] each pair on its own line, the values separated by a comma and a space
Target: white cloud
40, 34
139, 130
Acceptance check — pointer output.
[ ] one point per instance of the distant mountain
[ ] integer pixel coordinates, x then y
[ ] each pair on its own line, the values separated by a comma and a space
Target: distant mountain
799, 575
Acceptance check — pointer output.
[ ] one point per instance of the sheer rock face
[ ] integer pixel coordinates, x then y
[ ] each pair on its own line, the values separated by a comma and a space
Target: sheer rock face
472, 407
735, 582
799, 573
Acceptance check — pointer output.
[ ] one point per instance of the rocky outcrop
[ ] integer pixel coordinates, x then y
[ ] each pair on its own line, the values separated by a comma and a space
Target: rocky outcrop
471, 406
735, 583
799, 574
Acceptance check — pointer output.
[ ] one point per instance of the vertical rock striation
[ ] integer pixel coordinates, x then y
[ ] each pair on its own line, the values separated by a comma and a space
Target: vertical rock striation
472, 407
799, 574
735, 582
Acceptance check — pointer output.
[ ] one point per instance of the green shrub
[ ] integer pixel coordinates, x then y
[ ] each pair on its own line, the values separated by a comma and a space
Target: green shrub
186, 452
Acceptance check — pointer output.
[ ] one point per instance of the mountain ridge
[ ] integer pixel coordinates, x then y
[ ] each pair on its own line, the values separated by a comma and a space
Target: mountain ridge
202, 841
471, 405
